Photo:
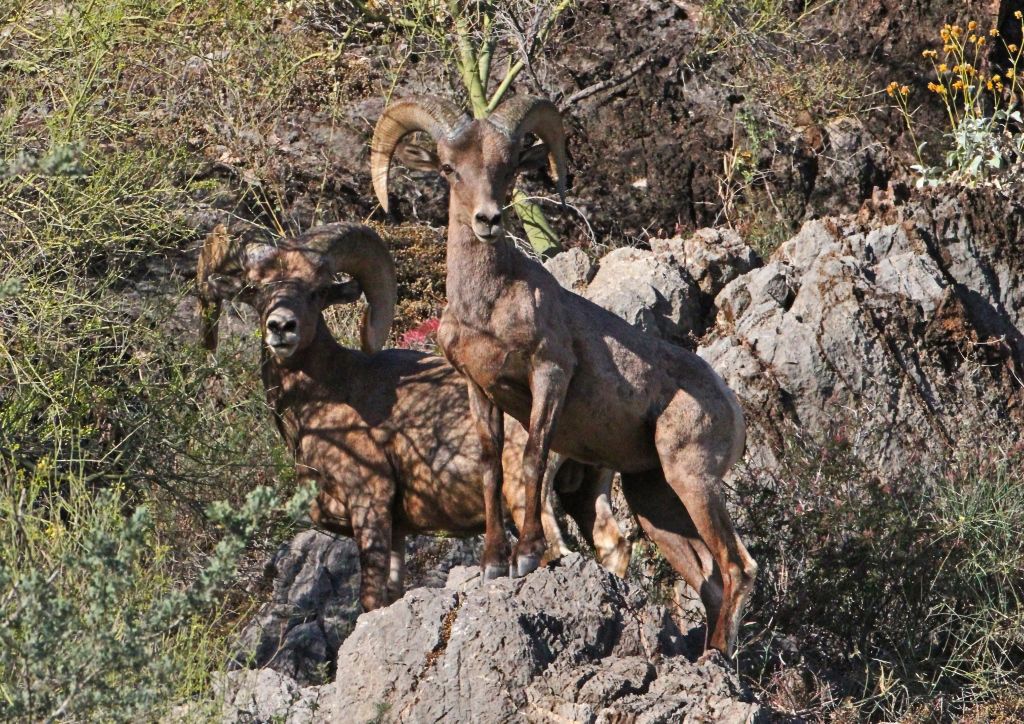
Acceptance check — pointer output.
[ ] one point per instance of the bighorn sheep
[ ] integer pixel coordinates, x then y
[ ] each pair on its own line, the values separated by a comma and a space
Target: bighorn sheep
583, 381
387, 435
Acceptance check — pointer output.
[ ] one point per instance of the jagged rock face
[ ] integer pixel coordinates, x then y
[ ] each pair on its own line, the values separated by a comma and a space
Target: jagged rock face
668, 290
897, 330
312, 608
571, 640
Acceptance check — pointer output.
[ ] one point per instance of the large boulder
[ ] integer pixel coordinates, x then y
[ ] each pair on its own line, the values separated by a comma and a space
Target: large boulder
651, 293
570, 642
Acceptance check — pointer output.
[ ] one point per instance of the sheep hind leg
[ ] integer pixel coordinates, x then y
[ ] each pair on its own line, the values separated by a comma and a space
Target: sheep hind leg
700, 492
668, 524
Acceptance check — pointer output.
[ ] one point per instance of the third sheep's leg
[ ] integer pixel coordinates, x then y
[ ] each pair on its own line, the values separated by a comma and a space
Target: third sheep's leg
589, 504
548, 387
396, 573
490, 424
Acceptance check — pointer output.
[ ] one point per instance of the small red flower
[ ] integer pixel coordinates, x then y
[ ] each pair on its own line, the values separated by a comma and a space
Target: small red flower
422, 337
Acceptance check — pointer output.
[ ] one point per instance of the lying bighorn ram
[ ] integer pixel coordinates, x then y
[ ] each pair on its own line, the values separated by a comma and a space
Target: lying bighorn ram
583, 381
387, 435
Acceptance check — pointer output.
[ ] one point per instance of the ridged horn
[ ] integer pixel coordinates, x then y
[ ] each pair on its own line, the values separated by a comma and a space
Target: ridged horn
520, 115
430, 114
358, 251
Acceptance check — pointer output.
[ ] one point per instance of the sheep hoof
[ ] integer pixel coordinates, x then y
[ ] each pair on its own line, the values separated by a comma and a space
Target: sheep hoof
491, 572
526, 564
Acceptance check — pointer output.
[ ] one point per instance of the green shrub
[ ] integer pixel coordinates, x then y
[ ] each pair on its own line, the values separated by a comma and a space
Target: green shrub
93, 622
901, 596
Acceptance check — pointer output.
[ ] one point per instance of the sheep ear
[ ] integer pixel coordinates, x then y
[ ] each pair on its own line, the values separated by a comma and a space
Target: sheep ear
342, 293
416, 157
533, 158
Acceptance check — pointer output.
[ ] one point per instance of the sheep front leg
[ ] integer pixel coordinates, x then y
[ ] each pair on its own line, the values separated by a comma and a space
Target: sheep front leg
490, 424
548, 386
373, 537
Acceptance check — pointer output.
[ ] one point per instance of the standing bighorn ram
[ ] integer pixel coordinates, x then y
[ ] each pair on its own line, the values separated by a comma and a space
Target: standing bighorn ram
387, 435
583, 381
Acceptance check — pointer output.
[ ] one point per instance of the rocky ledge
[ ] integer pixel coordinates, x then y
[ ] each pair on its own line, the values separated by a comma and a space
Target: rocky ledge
569, 643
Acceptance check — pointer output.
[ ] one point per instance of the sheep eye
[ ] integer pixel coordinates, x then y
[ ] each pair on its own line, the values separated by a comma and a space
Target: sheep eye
447, 169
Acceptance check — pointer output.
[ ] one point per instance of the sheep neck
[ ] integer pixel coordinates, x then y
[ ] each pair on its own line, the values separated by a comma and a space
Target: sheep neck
315, 376
476, 272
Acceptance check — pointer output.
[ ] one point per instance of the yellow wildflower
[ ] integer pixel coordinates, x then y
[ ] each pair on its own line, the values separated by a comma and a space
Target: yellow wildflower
958, 85
972, 25
980, 40
904, 90
972, 38
989, 85
1018, 15
891, 88
928, 53
943, 67
994, 32
1011, 74
955, 31
1012, 48
944, 34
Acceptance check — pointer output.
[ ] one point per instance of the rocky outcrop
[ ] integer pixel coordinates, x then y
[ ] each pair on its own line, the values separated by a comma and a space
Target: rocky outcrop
314, 602
667, 290
894, 327
570, 642
894, 332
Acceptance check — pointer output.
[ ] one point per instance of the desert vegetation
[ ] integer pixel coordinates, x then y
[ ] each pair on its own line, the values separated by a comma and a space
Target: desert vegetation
143, 483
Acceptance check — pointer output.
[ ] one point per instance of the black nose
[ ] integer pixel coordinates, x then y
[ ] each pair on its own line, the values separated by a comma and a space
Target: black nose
489, 219
280, 326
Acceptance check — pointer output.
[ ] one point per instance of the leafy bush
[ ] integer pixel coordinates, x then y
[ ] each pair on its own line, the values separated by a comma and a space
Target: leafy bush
116, 432
93, 623
896, 596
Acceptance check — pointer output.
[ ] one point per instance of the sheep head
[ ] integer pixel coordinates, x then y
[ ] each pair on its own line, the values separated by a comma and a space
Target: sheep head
290, 281
479, 158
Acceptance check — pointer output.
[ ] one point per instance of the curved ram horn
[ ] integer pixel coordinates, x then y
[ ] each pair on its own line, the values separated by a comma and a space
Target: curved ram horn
433, 115
520, 115
358, 251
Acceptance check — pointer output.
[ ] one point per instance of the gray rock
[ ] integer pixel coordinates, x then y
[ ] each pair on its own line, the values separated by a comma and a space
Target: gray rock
315, 600
857, 326
648, 291
569, 640
314, 603
712, 257
265, 695
572, 268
